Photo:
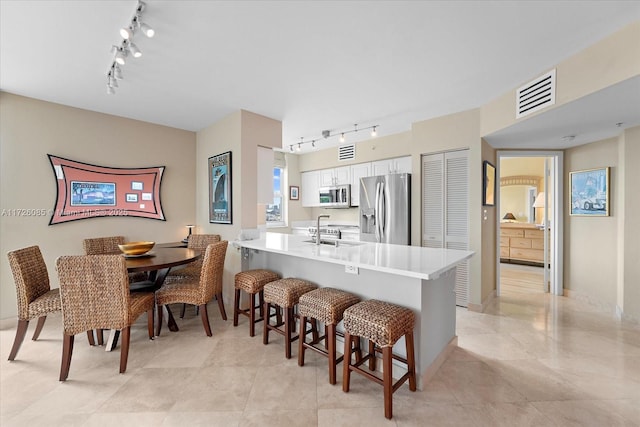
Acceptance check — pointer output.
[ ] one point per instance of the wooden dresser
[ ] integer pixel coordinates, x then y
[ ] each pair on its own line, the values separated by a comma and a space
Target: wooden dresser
521, 242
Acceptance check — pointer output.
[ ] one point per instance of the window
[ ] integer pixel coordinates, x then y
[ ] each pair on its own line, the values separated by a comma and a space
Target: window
275, 211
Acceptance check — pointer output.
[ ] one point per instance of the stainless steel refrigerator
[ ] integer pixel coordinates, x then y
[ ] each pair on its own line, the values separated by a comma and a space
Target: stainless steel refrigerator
385, 209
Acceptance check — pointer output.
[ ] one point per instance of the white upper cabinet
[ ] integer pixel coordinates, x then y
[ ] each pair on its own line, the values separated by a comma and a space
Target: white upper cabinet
335, 176
358, 171
388, 166
310, 183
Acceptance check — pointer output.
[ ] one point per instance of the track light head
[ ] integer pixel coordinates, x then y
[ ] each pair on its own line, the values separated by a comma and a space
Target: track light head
121, 54
117, 72
291, 148
342, 137
374, 132
110, 90
126, 33
299, 147
137, 53
146, 30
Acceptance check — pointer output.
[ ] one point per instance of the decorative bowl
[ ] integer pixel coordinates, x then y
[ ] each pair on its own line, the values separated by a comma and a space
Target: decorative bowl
136, 248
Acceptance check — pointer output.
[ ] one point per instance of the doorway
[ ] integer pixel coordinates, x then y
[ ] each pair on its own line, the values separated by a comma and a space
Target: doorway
529, 228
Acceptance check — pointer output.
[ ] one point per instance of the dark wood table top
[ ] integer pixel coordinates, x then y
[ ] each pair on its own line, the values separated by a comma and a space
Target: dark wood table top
161, 257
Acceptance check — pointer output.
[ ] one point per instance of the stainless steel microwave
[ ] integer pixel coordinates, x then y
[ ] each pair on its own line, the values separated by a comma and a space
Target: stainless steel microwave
338, 196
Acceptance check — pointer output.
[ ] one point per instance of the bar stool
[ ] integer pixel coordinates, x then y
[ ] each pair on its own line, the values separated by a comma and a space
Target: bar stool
284, 293
383, 324
252, 282
325, 305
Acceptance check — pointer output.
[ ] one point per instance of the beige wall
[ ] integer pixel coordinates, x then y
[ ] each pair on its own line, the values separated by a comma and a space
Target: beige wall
241, 133
610, 61
30, 129
630, 151
591, 249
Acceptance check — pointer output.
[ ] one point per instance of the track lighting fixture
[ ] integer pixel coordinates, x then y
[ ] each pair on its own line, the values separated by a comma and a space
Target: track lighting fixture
327, 134
127, 46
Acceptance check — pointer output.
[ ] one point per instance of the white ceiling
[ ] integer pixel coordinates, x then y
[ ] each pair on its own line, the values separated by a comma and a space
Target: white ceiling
313, 65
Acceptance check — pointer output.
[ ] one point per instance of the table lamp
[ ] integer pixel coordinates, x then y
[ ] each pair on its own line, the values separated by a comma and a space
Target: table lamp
509, 217
186, 239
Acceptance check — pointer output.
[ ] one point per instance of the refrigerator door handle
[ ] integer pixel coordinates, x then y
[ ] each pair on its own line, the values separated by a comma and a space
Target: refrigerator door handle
377, 212
381, 213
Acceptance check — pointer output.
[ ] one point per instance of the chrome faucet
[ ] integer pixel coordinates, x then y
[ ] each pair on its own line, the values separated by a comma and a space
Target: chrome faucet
318, 228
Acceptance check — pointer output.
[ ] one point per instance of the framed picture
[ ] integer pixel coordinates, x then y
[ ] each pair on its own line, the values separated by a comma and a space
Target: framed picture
294, 192
489, 185
589, 192
132, 198
136, 185
85, 193
220, 197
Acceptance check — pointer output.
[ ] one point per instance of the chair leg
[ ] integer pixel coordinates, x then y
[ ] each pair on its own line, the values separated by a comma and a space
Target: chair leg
67, 351
301, 340
39, 326
387, 381
124, 348
159, 323
205, 319
184, 308
150, 316
223, 313
331, 337
100, 334
346, 362
21, 331
90, 337
236, 307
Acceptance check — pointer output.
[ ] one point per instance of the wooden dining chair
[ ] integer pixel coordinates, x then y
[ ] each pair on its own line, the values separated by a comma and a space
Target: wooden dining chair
197, 290
197, 242
94, 293
35, 297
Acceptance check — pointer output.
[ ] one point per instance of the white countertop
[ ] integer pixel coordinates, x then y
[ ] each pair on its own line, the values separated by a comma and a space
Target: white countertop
410, 261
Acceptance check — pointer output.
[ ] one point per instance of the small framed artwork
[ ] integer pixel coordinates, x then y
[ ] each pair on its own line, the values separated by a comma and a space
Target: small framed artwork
136, 185
489, 185
589, 192
220, 197
294, 192
131, 198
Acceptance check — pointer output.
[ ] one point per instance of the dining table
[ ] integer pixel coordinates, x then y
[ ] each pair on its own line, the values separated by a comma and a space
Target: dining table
156, 263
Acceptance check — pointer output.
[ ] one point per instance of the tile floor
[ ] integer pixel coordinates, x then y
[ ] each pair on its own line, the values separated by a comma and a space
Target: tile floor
530, 360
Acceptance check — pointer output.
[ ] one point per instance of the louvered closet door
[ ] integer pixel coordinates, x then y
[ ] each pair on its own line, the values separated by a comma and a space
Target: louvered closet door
445, 203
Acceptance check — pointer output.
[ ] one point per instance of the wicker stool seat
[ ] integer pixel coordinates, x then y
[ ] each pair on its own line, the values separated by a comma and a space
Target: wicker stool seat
284, 293
325, 305
252, 282
383, 324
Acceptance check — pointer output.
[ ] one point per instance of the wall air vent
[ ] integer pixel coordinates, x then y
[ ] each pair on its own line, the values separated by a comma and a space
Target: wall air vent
346, 152
536, 94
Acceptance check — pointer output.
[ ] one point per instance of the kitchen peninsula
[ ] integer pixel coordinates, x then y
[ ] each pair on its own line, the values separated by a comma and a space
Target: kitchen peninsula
422, 279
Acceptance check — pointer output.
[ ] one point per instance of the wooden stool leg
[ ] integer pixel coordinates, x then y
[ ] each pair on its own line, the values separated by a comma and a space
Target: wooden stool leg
100, 336
411, 361
252, 314
265, 330
223, 313
372, 359
236, 307
388, 381
90, 337
288, 314
67, 351
301, 339
346, 362
331, 334
261, 300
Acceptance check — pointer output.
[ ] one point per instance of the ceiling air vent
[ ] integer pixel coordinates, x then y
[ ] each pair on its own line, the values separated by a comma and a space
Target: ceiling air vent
347, 152
536, 94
